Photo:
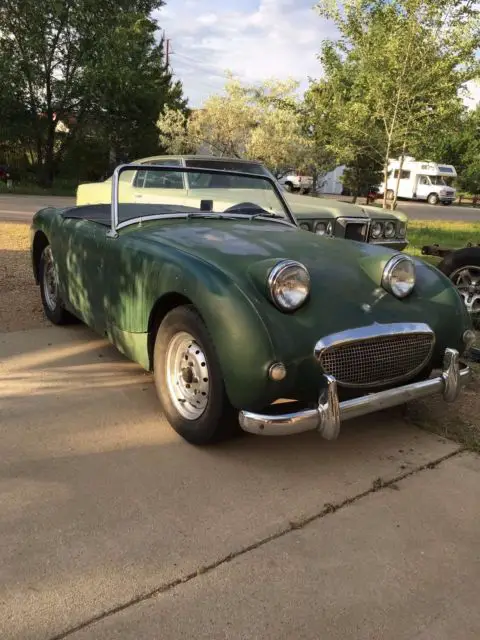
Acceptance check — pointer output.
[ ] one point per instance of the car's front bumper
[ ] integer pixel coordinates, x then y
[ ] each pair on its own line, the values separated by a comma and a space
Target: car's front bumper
328, 415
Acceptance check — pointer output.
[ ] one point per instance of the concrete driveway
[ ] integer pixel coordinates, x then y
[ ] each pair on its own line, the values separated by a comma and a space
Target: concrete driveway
113, 527
21, 209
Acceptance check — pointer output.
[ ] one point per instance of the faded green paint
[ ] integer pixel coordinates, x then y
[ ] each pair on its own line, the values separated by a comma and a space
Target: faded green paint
221, 266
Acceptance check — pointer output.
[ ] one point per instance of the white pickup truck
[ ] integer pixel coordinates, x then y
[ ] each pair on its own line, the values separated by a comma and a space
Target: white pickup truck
295, 181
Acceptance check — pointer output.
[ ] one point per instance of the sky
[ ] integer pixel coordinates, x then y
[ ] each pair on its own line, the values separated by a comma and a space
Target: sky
255, 39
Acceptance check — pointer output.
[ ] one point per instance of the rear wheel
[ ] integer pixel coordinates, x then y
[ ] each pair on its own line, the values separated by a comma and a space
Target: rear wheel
189, 380
53, 305
433, 198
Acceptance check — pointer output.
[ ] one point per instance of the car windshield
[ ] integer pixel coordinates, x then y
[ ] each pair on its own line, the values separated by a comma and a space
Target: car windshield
157, 191
438, 180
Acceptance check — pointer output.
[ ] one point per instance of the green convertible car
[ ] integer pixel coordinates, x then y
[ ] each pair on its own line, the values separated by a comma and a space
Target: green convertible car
234, 307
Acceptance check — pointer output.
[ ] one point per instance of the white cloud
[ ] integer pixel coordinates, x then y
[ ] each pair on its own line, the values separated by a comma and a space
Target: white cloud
255, 39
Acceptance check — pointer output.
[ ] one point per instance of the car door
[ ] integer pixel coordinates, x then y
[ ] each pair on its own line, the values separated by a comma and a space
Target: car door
80, 257
162, 187
423, 187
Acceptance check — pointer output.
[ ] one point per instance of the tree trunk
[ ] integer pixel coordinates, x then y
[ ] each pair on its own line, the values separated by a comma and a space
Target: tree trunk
48, 172
402, 159
385, 172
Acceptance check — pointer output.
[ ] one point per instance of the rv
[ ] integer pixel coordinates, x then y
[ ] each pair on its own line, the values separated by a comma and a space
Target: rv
421, 180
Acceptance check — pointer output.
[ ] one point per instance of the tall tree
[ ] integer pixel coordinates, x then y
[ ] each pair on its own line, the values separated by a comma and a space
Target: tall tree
79, 60
410, 58
262, 122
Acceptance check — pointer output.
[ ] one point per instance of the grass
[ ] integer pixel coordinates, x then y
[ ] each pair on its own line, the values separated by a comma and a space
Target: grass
454, 235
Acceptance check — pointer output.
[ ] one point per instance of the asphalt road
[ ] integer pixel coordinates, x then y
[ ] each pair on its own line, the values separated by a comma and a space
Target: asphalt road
112, 527
21, 209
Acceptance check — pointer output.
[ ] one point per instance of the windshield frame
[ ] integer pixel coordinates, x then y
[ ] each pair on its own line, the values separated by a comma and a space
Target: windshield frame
115, 225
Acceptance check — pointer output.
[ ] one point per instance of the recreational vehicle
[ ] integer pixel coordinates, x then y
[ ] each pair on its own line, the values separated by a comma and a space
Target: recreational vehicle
421, 180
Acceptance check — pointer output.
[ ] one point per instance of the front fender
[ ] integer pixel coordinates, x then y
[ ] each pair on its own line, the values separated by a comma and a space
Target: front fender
238, 332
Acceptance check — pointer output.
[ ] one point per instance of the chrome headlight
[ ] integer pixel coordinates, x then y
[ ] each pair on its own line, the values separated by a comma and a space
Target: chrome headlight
402, 230
289, 285
389, 229
399, 276
304, 226
376, 229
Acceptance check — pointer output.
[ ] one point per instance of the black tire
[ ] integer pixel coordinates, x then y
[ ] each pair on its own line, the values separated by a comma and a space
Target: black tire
289, 187
433, 199
460, 258
218, 420
455, 261
54, 309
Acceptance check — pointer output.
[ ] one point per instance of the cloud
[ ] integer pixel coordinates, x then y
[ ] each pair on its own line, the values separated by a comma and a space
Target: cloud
255, 39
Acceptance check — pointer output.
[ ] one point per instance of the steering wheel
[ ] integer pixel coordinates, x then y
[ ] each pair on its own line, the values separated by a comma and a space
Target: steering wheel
246, 207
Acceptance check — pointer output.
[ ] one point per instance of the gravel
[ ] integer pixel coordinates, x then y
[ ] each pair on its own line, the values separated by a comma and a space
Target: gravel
20, 305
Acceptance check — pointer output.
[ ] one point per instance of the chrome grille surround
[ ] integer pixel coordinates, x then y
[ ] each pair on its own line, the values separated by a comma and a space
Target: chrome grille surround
376, 355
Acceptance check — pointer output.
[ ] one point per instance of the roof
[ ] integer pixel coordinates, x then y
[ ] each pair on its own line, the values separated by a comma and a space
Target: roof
195, 157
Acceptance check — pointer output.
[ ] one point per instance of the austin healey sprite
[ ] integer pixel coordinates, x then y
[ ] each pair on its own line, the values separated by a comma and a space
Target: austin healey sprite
234, 307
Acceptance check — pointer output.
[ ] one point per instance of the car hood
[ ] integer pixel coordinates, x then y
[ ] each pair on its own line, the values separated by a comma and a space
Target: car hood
310, 207
340, 270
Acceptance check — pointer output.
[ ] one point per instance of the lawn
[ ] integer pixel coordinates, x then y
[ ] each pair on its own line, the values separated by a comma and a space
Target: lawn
452, 235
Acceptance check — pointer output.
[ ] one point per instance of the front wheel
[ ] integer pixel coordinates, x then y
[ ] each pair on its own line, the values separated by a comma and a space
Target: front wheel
433, 199
189, 380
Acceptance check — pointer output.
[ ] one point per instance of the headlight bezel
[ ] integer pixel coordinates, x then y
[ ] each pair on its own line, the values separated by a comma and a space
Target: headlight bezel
317, 225
380, 234
280, 270
391, 225
389, 271
304, 226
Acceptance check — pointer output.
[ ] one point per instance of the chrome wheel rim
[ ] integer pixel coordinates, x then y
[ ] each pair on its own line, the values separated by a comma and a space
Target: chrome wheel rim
467, 281
188, 378
50, 280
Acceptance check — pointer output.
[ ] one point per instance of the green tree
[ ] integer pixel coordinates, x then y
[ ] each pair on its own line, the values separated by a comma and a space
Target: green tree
263, 122
83, 61
406, 60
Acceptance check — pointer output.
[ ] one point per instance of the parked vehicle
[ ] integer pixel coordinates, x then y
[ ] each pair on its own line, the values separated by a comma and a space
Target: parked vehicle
319, 215
234, 307
420, 180
295, 181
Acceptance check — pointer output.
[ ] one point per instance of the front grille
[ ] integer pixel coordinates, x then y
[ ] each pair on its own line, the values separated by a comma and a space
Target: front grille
356, 231
377, 361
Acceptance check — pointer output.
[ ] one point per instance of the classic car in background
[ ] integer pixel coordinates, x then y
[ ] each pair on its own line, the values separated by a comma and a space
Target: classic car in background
234, 308
320, 215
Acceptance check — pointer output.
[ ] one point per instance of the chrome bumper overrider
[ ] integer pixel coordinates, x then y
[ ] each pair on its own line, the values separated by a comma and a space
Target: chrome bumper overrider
329, 413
